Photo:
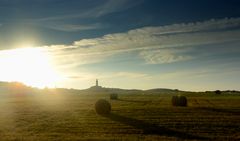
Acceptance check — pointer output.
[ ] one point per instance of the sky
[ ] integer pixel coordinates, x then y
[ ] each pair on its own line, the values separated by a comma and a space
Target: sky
187, 45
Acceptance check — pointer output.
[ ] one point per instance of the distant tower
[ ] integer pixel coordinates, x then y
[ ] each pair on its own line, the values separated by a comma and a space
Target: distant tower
97, 82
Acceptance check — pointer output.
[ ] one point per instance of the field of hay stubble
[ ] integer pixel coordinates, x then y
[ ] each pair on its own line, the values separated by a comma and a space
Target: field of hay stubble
57, 116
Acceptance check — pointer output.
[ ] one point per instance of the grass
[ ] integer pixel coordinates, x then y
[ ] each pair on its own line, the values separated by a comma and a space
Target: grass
134, 117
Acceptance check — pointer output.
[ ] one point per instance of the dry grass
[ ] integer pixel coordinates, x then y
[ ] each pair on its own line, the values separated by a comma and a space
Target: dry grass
134, 117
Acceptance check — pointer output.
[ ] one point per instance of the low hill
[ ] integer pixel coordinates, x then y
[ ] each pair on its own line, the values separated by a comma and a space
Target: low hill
16, 87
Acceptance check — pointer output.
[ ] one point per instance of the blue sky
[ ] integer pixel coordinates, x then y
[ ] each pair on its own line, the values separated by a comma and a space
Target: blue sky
188, 45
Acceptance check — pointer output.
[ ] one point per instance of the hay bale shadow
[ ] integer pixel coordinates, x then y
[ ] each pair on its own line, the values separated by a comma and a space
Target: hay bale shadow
218, 110
152, 129
135, 101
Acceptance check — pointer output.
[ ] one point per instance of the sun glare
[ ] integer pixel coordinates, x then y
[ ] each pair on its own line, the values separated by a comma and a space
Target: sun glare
31, 66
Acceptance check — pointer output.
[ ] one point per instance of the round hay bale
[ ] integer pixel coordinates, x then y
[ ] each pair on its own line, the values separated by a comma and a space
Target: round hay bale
113, 96
179, 101
175, 100
102, 107
182, 101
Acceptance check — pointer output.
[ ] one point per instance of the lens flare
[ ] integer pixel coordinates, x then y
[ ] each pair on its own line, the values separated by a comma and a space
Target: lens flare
31, 66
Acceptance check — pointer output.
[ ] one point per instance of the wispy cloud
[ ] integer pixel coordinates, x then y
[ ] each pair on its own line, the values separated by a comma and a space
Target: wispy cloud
109, 6
162, 56
205, 26
73, 27
133, 75
63, 18
154, 44
122, 74
112, 6
155, 36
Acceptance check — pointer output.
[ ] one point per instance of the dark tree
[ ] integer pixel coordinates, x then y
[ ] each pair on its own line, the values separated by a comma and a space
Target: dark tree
218, 92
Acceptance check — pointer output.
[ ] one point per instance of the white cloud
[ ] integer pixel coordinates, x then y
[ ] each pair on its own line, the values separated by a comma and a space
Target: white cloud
209, 25
107, 75
63, 22
162, 56
72, 27
112, 6
109, 6
156, 45
129, 75
161, 39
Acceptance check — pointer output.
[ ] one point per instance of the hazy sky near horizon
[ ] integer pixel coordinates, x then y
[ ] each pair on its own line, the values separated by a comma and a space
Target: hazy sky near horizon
144, 44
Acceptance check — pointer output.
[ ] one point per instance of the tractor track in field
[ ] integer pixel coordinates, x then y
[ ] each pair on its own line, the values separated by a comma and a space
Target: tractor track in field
157, 101
209, 102
202, 102
196, 101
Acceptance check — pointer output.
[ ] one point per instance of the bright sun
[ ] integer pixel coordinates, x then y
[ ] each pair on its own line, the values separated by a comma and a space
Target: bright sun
28, 65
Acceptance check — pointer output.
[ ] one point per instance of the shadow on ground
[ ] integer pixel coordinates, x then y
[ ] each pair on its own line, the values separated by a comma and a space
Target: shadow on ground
218, 110
152, 129
135, 101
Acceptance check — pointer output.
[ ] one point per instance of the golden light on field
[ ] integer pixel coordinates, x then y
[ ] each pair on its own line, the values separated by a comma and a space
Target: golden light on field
31, 66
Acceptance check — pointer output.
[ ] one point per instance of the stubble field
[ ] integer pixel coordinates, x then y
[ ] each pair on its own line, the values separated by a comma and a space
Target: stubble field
58, 116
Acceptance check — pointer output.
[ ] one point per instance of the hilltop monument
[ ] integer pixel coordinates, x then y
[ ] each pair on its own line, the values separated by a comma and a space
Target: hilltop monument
96, 87
96, 82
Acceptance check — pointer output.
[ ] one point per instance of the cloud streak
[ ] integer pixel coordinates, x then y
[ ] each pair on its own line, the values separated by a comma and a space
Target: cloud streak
107, 7
164, 56
61, 18
151, 46
205, 26
156, 45
73, 27
114, 75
